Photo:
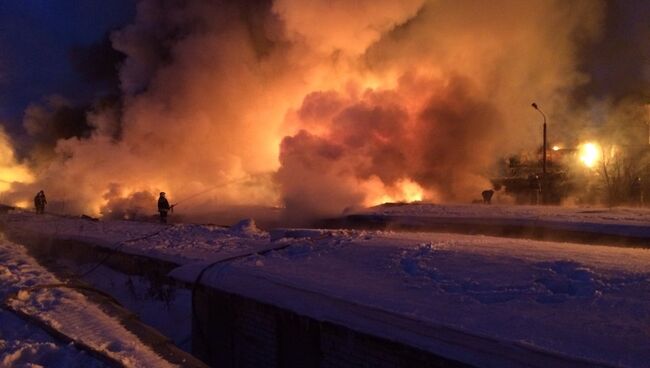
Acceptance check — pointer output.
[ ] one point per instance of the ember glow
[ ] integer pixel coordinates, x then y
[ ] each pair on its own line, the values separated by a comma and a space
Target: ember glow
22, 204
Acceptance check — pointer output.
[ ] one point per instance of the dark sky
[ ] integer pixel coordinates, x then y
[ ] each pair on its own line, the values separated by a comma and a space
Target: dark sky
36, 37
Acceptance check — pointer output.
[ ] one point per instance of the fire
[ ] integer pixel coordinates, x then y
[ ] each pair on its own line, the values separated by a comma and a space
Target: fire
411, 191
21, 204
11, 171
14, 174
590, 154
405, 190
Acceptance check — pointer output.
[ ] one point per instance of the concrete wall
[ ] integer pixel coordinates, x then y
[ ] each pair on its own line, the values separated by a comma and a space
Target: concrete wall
232, 331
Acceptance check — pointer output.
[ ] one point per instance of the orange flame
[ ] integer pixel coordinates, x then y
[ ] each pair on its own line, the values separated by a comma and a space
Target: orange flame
405, 190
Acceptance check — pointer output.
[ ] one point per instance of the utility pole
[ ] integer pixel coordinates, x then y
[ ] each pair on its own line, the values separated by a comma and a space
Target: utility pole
534, 105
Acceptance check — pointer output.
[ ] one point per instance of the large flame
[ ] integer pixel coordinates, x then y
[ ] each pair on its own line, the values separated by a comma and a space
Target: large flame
590, 154
403, 191
11, 172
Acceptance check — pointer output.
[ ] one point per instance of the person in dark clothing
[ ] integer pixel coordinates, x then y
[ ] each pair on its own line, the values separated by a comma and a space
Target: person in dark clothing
40, 202
487, 196
163, 207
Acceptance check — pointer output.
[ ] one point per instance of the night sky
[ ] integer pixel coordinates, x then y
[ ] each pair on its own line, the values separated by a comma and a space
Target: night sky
36, 39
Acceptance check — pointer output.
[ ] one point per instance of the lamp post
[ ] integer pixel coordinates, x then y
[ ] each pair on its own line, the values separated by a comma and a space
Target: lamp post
534, 105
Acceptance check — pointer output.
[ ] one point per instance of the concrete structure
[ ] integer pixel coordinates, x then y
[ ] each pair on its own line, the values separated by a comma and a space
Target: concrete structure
233, 331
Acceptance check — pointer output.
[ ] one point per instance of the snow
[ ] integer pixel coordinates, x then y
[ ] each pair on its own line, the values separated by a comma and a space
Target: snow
602, 215
179, 243
23, 345
64, 310
586, 302
483, 300
612, 221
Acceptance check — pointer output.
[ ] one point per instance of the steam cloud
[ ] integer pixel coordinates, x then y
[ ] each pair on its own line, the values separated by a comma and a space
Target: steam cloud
319, 106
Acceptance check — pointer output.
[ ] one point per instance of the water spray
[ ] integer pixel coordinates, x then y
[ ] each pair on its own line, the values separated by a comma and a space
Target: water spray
198, 194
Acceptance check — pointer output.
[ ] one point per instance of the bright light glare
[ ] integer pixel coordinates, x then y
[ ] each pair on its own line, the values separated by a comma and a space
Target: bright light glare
411, 191
556, 148
405, 190
589, 154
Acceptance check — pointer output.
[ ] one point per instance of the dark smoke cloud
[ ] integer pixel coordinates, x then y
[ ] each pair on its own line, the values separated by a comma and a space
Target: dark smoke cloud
57, 118
98, 63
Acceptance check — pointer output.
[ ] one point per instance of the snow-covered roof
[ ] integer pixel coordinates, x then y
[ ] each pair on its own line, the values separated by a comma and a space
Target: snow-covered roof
556, 299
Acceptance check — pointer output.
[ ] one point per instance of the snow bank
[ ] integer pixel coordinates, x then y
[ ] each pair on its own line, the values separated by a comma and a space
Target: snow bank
179, 243
64, 310
24, 345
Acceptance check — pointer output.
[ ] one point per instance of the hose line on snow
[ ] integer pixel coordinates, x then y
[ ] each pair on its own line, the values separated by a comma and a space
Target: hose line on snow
197, 281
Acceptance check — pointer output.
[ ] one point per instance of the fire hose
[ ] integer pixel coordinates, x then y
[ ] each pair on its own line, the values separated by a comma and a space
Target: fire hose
197, 281
220, 185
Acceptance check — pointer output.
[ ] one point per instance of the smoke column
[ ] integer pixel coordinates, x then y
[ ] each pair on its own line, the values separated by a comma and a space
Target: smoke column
319, 106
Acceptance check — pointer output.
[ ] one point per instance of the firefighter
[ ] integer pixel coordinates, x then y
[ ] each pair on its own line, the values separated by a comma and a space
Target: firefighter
487, 196
40, 202
163, 208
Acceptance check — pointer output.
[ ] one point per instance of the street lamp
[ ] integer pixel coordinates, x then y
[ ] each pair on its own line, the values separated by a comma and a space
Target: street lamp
534, 105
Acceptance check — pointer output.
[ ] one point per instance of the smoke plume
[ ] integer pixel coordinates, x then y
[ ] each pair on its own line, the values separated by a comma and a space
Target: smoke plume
318, 106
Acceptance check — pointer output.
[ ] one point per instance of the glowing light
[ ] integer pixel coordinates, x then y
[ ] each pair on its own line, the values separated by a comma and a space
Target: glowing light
21, 204
411, 191
14, 174
405, 190
11, 171
590, 154
556, 148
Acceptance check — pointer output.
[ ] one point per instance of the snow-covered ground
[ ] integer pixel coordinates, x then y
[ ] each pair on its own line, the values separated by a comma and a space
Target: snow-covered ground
600, 215
586, 302
24, 345
503, 296
630, 223
65, 310
180, 243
